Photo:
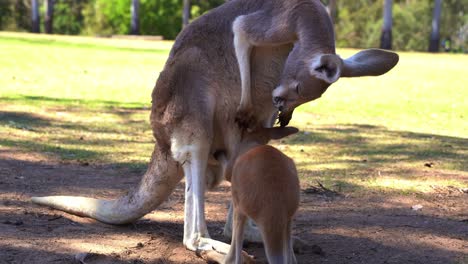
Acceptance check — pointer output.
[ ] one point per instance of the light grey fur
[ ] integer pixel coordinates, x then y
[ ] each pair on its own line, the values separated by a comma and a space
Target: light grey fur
196, 98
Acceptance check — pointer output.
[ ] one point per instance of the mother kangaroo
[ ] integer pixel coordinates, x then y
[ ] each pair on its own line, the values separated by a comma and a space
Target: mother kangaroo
243, 45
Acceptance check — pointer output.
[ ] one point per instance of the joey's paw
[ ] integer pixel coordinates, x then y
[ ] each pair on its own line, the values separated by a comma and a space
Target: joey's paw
284, 118
245, 119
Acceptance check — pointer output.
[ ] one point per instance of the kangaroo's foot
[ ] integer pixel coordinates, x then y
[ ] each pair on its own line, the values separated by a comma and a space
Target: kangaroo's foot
251, 232
301, 247
218, 252
211, 256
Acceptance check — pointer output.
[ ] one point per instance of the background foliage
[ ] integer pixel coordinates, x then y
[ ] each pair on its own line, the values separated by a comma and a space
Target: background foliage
358, 22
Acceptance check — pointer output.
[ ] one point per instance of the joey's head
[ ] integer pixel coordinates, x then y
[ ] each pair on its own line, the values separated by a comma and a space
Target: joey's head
262, 135
306, 78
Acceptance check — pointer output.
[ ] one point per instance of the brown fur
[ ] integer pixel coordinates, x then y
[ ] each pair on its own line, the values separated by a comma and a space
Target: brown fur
195, 100
265, 187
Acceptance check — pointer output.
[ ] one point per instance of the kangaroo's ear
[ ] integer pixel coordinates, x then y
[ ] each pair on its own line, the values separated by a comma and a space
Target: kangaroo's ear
370, 62
280, 132
327, 67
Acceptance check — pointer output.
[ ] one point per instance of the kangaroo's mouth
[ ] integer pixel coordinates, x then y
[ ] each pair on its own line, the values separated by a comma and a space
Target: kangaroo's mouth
283, 104
284, 117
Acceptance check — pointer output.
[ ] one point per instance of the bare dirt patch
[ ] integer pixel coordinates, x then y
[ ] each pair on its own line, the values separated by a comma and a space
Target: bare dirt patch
377, 228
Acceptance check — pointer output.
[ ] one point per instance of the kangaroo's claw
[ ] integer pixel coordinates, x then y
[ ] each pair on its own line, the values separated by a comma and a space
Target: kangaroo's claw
245, 119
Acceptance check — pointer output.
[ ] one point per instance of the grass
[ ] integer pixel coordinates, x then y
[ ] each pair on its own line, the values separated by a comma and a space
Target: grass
86, 100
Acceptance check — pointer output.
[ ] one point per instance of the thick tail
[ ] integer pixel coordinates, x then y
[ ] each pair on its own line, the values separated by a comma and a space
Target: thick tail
156, 185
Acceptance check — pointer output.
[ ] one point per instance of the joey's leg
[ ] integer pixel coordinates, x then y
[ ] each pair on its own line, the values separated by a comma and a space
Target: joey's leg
235, 253
292, 256
251, 231
249, 31
220, 249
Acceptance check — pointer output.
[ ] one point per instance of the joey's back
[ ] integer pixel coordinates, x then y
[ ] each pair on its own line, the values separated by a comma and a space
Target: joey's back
265, 168
265, 187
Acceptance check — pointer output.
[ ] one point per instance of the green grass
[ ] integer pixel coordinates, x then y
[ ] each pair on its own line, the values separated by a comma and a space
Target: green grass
86, 100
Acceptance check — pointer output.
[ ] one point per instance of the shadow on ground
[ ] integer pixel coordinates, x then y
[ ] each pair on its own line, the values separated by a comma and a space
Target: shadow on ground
334, 152
377, 228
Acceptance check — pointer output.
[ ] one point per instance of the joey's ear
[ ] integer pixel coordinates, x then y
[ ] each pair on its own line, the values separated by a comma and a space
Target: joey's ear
371, 62
326, 67
281, 132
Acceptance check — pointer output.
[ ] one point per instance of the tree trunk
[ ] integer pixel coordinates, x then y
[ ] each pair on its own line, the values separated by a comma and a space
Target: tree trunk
49, 16
35, 16
331, 8
186, 13
135, 23
386, 38
435, 33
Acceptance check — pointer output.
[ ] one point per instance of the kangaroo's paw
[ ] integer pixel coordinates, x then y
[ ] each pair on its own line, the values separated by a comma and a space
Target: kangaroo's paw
245, 118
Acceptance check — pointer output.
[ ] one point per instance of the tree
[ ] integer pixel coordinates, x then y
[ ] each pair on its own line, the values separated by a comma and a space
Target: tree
69, 16
435, 33
186, 13
386, 37
35, 16
49, 16
135, 24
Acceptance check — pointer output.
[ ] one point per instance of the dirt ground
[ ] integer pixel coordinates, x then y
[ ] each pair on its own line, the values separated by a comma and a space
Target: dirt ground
377, 228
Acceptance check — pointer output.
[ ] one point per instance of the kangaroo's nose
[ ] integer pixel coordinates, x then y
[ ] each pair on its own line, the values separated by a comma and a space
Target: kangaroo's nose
278, 102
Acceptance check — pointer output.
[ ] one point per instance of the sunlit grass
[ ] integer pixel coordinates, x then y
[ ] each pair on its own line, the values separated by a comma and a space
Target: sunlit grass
82, 68
86, 100
424, 93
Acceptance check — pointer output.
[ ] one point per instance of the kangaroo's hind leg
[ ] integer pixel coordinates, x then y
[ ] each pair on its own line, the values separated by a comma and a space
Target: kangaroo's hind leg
251, 231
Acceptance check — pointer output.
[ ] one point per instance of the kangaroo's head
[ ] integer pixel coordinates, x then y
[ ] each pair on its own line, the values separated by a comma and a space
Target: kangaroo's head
307, 76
